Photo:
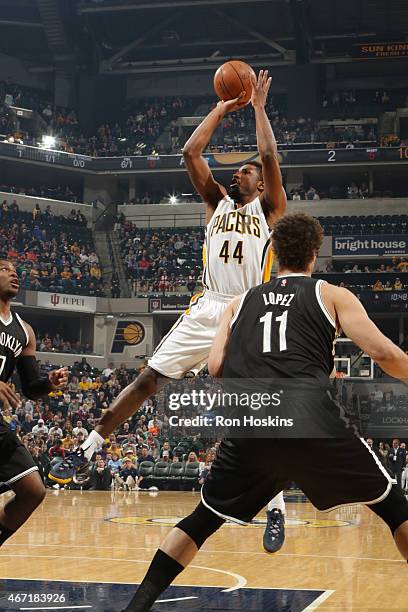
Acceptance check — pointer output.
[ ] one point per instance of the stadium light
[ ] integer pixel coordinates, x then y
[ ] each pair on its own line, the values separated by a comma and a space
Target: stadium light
48, 142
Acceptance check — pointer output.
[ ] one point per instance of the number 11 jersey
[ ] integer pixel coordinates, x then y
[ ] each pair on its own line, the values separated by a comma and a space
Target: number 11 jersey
237, 252
282, 329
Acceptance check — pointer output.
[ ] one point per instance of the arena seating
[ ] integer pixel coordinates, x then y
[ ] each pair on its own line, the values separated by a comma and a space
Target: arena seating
51, 253
373, 224
149, 125
178, 263
166, 476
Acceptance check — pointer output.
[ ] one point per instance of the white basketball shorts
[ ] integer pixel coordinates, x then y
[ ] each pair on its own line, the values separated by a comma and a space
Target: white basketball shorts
186, 346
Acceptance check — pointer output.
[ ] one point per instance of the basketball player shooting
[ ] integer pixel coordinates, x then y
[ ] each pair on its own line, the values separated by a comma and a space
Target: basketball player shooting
237, 255
18, 471
296, 344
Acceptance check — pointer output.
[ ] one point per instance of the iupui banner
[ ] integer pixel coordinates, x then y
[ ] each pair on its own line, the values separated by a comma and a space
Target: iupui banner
380, 244
61, 301
380, 50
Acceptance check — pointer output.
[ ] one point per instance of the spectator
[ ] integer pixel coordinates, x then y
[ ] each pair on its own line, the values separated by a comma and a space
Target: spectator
404, 477
80, 430
100, 478
114, 464
128, 476
57, 450
396, 460
145, 455
40, 428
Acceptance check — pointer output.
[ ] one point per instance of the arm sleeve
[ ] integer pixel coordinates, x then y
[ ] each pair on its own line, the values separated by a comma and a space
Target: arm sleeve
33, 385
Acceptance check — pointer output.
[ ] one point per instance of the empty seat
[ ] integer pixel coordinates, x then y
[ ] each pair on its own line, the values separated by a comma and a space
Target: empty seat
175, 476
190, 477
146, 469
160, 474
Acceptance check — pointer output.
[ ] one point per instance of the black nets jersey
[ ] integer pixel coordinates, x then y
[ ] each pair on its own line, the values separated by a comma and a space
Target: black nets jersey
282, 330
13, 339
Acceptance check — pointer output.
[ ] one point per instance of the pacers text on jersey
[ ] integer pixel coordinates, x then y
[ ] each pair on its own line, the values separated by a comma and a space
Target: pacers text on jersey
235, 221
10, 342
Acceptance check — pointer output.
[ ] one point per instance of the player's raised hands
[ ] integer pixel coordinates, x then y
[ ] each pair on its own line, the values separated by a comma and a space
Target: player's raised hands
235, 104
8, 397
58, 378
260, 88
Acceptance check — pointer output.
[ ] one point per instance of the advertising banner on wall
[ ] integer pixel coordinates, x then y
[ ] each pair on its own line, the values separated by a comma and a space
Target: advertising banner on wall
381, 245
376, 50
169, 303
61, 301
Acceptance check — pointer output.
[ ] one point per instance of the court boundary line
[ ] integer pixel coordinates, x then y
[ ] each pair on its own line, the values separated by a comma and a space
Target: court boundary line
239, 584
319, 600
207, 586
202, 550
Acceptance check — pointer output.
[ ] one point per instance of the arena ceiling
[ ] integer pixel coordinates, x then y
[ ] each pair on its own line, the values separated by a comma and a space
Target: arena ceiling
137, 36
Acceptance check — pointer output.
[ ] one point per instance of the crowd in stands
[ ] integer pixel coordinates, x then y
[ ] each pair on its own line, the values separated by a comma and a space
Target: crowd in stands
136, 133
56, 426
57, 344
378, 98
353, 191
57, 192
150, 127
364, 275
395, 265
176, 265
50, 252
162, 260
238, 130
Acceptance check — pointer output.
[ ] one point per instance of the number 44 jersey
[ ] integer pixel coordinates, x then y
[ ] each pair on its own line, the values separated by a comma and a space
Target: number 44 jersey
237, 252
282, 329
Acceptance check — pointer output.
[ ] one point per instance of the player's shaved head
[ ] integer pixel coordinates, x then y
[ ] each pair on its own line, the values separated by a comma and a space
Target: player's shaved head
296, 239
257, 165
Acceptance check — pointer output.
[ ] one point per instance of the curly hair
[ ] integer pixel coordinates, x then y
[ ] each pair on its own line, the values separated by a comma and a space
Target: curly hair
296, 239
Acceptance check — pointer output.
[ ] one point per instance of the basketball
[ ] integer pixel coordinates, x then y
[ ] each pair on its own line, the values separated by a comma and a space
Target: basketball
231, 78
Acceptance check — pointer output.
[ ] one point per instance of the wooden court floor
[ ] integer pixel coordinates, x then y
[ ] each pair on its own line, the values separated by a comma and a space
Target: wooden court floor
345, 560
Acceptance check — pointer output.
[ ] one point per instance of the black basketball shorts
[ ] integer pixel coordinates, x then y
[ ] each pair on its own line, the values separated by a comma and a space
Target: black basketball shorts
248, 473
15, 460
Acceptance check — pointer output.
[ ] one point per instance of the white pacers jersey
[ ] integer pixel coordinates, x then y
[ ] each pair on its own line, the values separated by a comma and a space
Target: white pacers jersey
237, 253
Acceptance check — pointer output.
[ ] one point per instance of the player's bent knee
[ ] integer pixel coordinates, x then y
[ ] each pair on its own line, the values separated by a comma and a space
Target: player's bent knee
393, 509
36, 496
201, 524
145, 383
31, 489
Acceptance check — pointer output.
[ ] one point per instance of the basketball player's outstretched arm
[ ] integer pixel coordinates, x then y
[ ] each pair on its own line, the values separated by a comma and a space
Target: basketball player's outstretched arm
33, 385
273, 197
218, 350
356, 324
198, 169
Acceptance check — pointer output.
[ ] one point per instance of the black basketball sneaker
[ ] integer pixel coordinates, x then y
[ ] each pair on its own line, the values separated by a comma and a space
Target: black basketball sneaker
74, 466
274, 535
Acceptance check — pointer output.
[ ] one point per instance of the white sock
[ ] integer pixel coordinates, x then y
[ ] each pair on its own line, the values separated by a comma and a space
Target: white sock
93, 441
277, 502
